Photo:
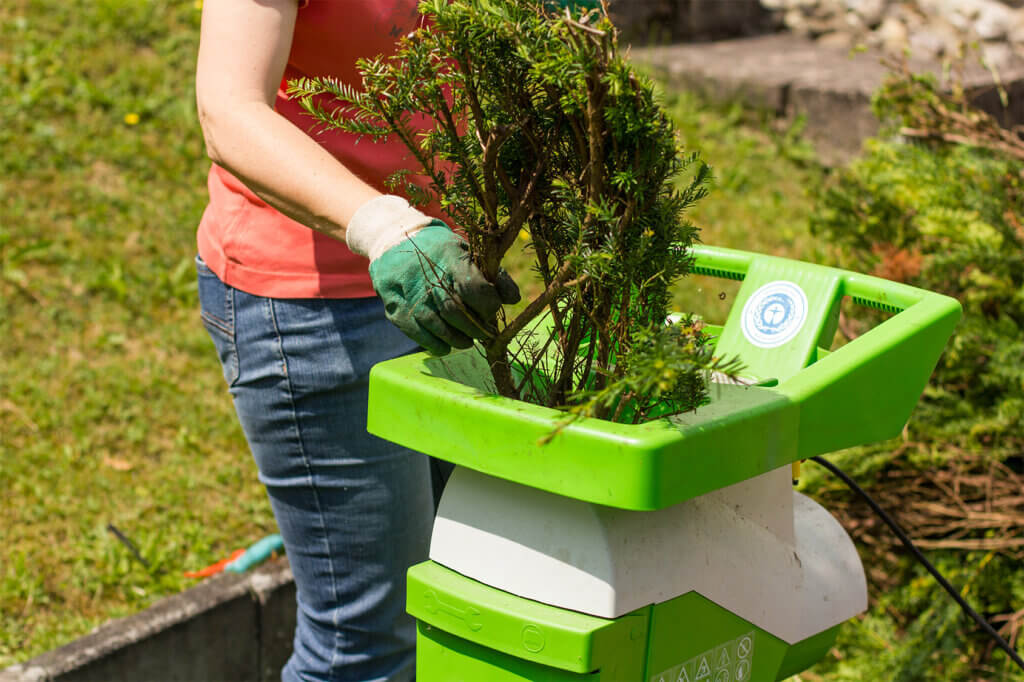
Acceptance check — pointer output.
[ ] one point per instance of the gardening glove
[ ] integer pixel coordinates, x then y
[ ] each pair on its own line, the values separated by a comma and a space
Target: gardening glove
422, 272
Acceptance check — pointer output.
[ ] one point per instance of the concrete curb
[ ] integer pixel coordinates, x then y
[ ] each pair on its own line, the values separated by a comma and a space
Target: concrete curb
792, 76
230, 627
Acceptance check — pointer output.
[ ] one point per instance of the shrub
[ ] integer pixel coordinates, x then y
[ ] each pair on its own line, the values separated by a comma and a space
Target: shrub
938, 204
538, 128
946, 216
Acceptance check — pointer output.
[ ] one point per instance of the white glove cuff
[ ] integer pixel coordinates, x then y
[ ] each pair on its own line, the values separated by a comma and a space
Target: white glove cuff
381, 223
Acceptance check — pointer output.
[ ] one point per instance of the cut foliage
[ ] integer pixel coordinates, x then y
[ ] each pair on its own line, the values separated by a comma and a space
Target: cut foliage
530, 123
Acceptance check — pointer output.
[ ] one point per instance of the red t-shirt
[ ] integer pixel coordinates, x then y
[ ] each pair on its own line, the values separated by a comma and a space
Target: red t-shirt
253, 247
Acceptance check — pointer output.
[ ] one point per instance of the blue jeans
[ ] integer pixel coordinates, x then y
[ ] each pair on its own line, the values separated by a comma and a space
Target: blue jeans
354, 511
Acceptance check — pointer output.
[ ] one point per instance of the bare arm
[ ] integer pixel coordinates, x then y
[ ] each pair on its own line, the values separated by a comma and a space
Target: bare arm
243, 50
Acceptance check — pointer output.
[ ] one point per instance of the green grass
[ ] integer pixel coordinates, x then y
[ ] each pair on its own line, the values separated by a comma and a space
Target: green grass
761, 195
112, 405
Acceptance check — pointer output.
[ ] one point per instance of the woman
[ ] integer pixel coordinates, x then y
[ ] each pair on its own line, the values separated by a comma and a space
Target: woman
297, 325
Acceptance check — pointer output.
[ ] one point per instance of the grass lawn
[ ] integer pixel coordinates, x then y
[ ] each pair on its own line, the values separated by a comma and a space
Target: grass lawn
112, 406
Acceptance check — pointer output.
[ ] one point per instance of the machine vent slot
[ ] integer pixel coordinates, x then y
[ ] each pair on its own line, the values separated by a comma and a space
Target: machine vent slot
715, 272
885, 307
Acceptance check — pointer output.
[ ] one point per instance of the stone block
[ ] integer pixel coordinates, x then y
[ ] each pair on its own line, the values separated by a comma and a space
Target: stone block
229, 627
274, 591
206, 633
830, 88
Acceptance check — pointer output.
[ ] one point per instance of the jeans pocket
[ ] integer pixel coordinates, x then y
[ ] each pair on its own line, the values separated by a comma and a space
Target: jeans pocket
217, 310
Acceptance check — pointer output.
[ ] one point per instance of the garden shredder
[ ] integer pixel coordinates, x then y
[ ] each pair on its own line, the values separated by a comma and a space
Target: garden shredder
674, 550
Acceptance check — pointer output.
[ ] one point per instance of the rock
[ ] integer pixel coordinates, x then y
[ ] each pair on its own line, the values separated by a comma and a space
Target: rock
932, 28
998, 54
828, 9
795, 21
870, 11
855, 24
1016, 32
960, 22
926, 44
827, 17
837, 39
994, 20
952, 39
892, 36
788, 4
811, 24
945, 8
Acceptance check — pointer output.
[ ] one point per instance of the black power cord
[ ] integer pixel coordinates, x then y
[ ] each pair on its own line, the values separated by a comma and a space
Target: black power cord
889, 521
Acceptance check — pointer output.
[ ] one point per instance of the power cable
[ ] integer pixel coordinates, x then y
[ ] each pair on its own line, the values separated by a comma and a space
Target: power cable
908, 543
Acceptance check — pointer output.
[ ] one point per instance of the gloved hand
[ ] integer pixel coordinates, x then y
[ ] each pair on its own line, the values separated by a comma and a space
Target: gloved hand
421, 271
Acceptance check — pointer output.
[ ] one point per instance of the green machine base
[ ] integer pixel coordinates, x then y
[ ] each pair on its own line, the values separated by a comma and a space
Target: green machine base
470, 632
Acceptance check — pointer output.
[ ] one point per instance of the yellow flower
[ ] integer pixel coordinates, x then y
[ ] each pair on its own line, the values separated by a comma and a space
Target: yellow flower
524, 236
131, 118
198, 4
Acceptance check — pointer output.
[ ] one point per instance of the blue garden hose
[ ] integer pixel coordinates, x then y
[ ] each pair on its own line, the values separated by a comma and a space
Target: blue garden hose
256, 554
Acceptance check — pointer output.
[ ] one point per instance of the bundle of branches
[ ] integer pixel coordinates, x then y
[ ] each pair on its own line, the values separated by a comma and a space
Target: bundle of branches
972, 503
928, 112
968, 514
537, 127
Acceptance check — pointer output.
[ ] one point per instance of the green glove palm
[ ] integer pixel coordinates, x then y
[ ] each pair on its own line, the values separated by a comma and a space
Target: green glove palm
434, 294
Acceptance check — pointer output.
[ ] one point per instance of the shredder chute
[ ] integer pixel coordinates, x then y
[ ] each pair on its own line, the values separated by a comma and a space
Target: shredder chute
674, 550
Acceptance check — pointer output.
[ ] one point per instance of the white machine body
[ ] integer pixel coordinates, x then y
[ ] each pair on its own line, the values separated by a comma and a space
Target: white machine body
757, 548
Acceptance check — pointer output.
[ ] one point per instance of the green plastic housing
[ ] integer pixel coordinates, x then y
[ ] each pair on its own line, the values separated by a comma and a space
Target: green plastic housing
809, 401
471, 632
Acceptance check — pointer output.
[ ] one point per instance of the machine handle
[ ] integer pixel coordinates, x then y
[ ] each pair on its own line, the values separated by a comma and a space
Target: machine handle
864, 391
883, 294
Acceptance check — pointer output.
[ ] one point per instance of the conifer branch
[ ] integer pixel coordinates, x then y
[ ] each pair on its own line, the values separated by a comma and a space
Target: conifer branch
547, 129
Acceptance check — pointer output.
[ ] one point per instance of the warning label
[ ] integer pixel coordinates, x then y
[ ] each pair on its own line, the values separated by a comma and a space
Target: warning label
728, 662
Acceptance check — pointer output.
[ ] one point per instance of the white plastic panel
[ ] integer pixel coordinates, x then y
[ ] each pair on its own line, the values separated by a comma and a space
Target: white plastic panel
769, 555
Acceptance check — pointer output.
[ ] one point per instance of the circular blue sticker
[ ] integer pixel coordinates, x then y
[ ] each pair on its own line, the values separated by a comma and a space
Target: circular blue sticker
774, 314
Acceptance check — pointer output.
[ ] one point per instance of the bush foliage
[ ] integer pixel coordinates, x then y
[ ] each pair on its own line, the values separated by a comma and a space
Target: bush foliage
938, 202
948, 218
